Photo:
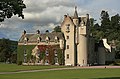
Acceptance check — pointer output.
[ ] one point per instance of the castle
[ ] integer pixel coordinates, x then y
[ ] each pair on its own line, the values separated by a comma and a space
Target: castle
73, 46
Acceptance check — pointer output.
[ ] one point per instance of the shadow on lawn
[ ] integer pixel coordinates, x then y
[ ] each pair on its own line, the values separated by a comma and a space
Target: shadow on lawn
108, 78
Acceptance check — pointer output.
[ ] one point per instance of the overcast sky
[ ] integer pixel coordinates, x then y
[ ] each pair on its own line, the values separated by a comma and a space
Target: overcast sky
46, 14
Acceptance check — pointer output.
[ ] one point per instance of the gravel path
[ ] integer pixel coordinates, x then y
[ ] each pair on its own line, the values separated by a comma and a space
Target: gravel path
69, 68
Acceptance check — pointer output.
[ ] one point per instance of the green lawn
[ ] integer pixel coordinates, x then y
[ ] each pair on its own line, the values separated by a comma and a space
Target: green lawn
14, 67
67, 74
103, 73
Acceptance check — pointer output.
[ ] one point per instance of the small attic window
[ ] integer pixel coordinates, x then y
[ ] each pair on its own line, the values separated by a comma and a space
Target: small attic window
25, 40
38, 39
56, 39
47, 39
67, 27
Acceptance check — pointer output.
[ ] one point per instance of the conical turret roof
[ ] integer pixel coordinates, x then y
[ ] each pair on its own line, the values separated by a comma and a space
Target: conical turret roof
75, 13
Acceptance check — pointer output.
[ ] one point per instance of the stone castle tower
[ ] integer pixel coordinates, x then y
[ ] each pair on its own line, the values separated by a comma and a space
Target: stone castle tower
76, 33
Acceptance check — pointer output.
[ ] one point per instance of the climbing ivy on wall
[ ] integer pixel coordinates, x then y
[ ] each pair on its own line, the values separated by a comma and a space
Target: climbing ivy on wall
50, 48
20, 52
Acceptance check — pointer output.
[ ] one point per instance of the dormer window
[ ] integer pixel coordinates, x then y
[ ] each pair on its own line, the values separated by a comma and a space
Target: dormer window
25, 40
38, 40
67, 27
56, 39
47, 39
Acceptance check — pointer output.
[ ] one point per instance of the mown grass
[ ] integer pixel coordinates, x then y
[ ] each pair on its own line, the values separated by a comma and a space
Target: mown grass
67, 74
15, 67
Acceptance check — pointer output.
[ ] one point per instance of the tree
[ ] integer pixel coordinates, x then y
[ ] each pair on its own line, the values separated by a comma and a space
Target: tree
8, 8
109, 28
92, 23
5, 49
8, 50
115, 29
105, 23
95, 29
57, 29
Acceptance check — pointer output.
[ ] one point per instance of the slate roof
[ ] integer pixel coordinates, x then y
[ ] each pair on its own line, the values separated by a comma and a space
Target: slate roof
33, 37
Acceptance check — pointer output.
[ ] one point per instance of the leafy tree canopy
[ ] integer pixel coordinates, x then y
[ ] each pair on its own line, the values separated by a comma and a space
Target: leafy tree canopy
57, 29
109, 28
8, 8
7, 47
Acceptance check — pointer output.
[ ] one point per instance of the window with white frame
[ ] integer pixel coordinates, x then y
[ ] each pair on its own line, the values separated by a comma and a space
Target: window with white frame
46, 52
55, 53
56, 60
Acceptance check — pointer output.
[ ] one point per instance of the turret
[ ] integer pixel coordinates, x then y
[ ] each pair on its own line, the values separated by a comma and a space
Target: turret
76, 22
75, 13
75, 17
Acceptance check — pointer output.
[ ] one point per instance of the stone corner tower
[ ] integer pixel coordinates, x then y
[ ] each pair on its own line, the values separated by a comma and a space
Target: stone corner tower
83, 37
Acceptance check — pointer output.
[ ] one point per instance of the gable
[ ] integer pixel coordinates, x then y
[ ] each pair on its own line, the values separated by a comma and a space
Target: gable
67, 22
